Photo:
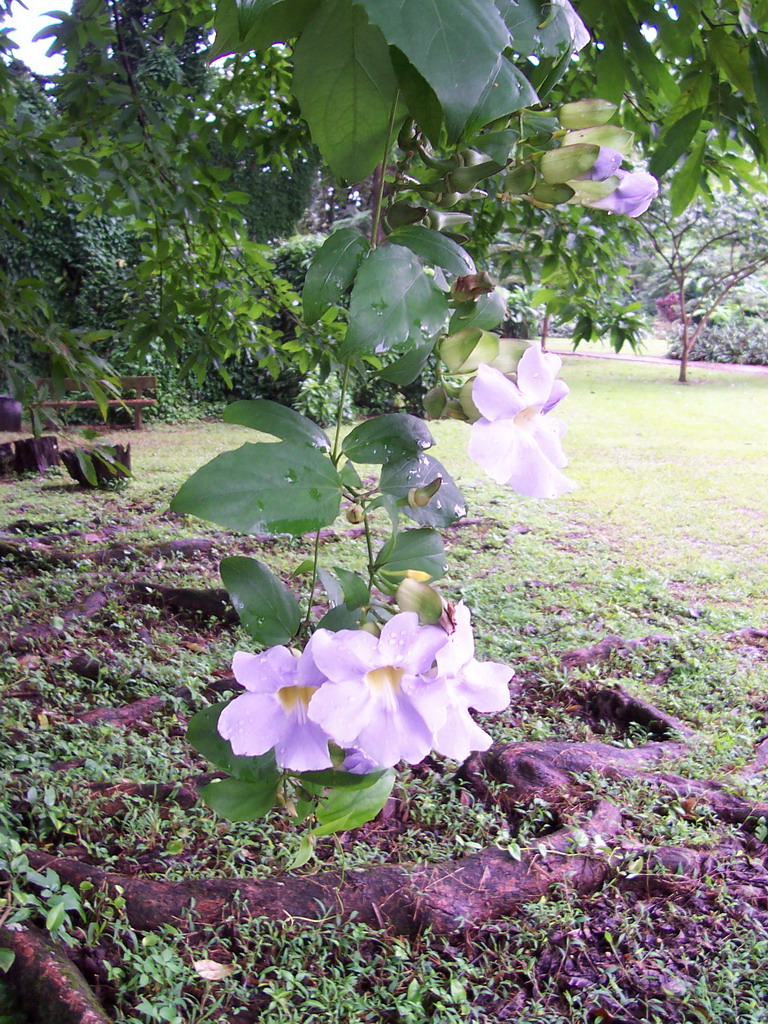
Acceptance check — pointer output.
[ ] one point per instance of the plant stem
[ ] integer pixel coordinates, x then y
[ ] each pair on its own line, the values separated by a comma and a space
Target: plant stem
380, 194
336, 453
313, 583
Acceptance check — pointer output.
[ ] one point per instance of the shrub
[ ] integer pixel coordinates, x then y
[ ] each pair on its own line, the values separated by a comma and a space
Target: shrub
742, 339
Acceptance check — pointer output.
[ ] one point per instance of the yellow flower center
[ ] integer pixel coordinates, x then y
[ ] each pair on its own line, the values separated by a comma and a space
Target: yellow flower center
385, 680
525, 419
291, 696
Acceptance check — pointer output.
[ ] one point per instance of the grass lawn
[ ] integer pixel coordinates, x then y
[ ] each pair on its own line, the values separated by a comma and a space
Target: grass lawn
666, 537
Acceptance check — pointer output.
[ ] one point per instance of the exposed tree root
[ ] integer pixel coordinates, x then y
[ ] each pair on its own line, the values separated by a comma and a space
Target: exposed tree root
605, 648
446, 897
541, 769
47, 984
36, 551
617, 705
213, 603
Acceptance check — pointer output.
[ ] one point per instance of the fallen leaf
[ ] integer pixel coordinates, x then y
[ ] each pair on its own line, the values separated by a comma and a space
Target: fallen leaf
213, 971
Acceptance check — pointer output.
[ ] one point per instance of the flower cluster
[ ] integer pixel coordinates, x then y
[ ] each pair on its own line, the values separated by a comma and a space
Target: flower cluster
382, 699
515, 441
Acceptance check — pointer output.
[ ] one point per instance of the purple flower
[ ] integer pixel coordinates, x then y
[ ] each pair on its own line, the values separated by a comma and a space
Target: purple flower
607, 163
467, 683
516, 442
635, 192
273, 713
379, 696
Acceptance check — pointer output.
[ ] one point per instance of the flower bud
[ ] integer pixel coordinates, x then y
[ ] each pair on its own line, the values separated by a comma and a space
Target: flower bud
434, 403
463, 351
520, 179
355, 514
454, 410
585, 113
420, 497
471, 411
558, 165
609, 135
412, 596
400, 214
464, 179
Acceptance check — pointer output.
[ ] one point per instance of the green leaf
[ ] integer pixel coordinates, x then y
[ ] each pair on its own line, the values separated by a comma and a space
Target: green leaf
733, 61
55, 917
398, 478
385, 438
264, 488
332, 271
277, 420
423, 106
407, 367
345, 85
245, 25
341, 617
335, 778
758, 64
414, 550
238, 800
304, 854
674, 142
434, 248
266, 607
454, 44
332, 588
7, 957
352, 806
394, 304
507, 92
537, 28
686, 181
355, 589
203, 735
486, 312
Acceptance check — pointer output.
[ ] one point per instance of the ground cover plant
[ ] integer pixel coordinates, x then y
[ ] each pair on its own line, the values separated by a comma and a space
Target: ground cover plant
634, 625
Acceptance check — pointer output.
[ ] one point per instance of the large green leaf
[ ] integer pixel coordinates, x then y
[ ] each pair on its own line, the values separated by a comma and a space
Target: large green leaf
538, 27
434, 248
507, 91
266, 607
332, 271
686, 180
385, 438
277, 420
264, 488
674, 142
454, 44
238, 800
407, 367
423, 106
244, 25
345, 85
413, 551
351, 806
398, 478
203, 735
486, 312
394, 304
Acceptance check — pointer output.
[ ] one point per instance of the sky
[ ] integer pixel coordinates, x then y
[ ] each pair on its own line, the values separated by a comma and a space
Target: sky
25, 23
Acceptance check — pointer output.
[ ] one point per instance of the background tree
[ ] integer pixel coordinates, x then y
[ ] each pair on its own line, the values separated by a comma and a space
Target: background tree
707, 251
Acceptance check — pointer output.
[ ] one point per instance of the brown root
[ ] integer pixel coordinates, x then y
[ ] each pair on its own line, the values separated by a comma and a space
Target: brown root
47, 984
445, 897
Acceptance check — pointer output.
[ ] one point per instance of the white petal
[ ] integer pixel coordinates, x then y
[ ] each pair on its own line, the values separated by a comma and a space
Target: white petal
460, 736
494, 447
304, 749
404, 642
267, 672
253, 723
343, 710
348, 654
484, 686
534, 475
494, 395
536, 374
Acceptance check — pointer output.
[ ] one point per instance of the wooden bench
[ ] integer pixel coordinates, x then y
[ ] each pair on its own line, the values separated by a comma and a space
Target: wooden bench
137, 384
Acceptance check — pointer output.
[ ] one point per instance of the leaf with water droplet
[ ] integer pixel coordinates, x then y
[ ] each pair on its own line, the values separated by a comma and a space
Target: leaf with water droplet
399, 477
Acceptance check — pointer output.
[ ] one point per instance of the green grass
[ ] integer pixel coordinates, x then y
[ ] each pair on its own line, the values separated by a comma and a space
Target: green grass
666, 536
